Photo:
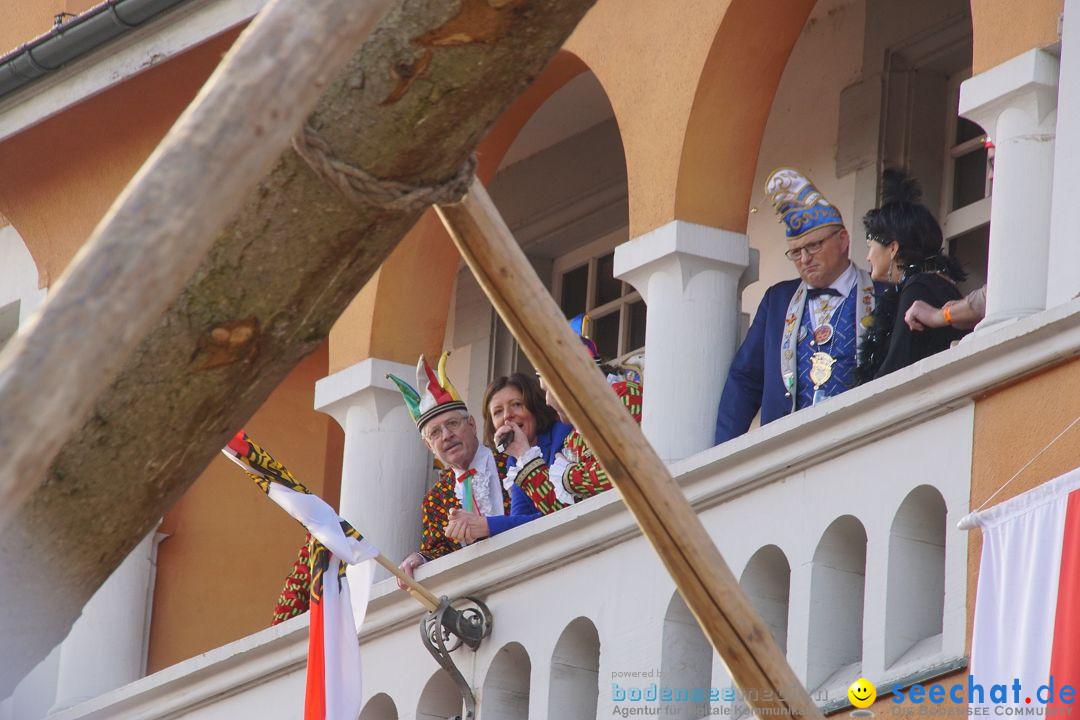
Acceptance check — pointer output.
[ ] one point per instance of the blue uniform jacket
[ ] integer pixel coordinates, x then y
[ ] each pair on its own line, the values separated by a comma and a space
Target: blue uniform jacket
755, 380
522, 509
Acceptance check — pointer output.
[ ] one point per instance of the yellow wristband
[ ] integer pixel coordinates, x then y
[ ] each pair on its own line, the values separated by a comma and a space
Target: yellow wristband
946, 313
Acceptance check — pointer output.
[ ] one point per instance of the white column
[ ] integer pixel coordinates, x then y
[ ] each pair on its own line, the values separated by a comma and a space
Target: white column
1015, 103
106, 648
689, 278
1063, 281
385, 466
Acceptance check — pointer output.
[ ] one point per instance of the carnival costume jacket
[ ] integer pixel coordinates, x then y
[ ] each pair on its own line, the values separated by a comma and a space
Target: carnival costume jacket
575, 473
770, 366
522, 508
437, 504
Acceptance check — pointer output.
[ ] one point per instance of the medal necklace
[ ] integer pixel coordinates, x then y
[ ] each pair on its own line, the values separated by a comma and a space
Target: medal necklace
821, 362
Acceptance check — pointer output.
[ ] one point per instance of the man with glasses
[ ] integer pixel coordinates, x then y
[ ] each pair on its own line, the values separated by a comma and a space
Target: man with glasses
472, 475
803, 344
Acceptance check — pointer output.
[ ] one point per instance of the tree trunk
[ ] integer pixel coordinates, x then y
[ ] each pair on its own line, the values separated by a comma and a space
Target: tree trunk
410, 105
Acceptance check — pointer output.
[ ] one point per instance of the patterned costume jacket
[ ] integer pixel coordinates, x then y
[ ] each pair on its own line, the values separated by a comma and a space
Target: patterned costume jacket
581, 476
436, 507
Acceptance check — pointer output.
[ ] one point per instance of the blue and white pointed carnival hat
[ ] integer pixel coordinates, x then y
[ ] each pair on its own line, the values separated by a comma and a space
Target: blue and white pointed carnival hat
801, 206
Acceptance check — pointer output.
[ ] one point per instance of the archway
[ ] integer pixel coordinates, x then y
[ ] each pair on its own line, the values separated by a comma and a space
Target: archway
767, 581
440, 698
371, 326
685, 663
731, 105
837, 588
575, 672
379, 707
505, 693
916, 590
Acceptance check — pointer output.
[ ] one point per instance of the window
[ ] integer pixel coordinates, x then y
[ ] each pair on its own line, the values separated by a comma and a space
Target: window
584, 281
966, 190
970, 164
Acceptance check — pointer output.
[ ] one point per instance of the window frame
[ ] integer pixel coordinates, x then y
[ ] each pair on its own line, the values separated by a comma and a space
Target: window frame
588, 255
959, 221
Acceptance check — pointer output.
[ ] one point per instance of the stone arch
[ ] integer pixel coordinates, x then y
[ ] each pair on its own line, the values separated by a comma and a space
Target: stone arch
837, 588
561, 186
505, 693
685, 662
575, 671
440, 698
731, 106
379, 707
371, 326
767, 582
916, 591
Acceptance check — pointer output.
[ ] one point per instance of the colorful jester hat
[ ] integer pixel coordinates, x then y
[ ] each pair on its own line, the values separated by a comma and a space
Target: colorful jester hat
438, 394
800, 205
582, 325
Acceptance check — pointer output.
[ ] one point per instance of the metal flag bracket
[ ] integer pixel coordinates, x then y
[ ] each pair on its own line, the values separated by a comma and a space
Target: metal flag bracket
447, 628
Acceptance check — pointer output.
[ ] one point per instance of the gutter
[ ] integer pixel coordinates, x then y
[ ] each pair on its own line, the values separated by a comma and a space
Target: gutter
71, 40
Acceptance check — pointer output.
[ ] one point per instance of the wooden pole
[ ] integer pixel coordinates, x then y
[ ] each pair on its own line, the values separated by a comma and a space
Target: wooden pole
710, 590
420, 593
154, 237
410, 105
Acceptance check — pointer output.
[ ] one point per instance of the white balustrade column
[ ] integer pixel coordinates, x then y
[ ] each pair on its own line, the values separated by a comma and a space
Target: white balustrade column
385, 465
106, 648
689, 277
1015, 102
1062, 281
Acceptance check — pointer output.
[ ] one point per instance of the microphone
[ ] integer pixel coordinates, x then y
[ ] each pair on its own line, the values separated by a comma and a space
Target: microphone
503, 441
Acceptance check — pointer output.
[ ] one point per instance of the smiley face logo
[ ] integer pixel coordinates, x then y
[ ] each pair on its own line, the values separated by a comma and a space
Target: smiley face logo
862, 693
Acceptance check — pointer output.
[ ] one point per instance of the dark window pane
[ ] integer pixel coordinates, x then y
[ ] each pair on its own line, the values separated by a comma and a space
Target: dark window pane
972, 251
969, 179
605, 332
575, 286
966, 130
607, 287
637, 326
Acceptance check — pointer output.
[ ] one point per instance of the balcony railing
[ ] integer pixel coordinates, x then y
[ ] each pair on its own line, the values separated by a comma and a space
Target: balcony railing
840, 522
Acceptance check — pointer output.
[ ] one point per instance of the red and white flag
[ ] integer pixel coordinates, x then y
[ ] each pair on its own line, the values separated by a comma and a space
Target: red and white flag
1027, 607
333, 672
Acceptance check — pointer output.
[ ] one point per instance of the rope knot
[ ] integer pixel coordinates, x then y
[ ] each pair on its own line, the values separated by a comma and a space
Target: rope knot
362, 188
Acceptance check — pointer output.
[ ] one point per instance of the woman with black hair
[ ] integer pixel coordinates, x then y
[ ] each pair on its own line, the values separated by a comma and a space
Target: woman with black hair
904, 242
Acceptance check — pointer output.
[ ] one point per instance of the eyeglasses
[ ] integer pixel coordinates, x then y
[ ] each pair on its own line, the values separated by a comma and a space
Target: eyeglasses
435, 432
811, 248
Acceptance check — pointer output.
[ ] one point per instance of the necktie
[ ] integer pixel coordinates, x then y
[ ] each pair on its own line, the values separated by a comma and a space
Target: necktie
467, 501
818, 292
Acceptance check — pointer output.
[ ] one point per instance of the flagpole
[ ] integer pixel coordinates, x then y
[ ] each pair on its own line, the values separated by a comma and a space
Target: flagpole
420, 593
666, 518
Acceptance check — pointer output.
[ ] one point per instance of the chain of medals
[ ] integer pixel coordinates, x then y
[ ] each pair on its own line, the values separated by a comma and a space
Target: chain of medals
821, 362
